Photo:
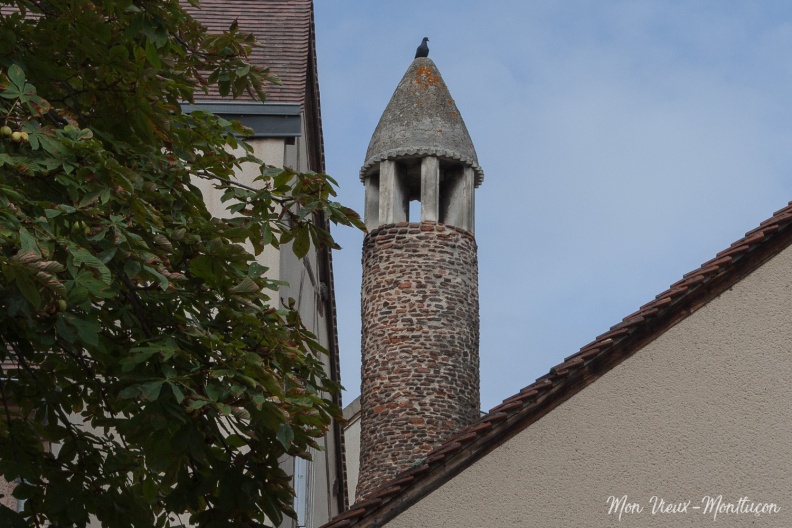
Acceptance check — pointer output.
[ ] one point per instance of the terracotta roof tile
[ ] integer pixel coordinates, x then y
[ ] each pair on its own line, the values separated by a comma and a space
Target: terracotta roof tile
735, 249
688, 282
760, 231
464, 438
519, 411
613, 334
412, 471
717, 262
390, 490
351, 513
344, 523
522, 396
585, 354
506, 407
435, 458
658, 303
480, 427
495, 416
368, 503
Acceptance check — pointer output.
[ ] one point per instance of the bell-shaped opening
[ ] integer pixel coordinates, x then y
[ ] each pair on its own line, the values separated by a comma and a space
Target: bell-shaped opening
414, 212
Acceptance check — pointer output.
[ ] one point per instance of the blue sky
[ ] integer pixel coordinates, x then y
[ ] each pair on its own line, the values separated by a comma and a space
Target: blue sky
623, 144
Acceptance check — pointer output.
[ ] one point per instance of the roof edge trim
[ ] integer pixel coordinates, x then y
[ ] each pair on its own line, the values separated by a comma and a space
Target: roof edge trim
267, 120
407, 152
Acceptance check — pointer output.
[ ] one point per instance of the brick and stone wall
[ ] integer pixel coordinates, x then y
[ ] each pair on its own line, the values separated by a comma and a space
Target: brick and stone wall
420, 344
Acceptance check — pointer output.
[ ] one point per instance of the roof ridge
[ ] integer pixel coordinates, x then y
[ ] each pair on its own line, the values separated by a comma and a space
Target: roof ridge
516, 412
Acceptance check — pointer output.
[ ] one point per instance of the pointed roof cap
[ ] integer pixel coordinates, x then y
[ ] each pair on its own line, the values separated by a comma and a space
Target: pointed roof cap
421, 119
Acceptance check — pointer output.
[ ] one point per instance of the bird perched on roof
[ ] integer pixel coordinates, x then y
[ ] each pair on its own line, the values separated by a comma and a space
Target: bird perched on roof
423, 49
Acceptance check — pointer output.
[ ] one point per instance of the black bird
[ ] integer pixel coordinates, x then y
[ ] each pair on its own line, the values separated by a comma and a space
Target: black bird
423, 49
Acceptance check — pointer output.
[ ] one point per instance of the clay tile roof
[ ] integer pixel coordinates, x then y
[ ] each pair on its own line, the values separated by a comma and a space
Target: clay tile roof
283, 27
576, 372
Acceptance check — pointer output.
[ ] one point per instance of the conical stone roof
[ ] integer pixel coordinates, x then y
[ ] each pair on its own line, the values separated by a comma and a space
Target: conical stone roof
421, 119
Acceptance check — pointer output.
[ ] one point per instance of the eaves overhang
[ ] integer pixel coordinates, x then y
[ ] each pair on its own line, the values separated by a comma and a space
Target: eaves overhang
267, 120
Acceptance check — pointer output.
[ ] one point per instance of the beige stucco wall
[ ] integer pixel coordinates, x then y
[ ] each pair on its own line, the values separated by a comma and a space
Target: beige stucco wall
272, 152
704, 410
352, 445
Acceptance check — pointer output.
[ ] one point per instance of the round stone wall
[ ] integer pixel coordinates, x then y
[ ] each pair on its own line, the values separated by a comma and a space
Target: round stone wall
420, 374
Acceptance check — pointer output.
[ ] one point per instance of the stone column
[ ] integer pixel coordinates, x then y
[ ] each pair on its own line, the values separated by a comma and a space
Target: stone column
460, 189
392, 199
430, 189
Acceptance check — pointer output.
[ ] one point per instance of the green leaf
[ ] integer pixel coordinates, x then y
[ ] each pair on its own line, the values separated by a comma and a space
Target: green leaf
285, 436
149, 391
150, 489
138, 355
16, 75
236, 440
159, 277
302, 242
247, 285
82, 256
11, 519
206, 267
87, 329
27, 242
177, 392
256, 270
214, 392
282, 179
152, 55
118, 54
132, 268
29, 289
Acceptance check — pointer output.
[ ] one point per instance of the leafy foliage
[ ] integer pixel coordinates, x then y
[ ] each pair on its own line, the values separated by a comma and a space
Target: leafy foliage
137, 337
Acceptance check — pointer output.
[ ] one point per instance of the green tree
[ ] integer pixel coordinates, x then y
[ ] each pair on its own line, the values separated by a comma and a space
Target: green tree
136, 332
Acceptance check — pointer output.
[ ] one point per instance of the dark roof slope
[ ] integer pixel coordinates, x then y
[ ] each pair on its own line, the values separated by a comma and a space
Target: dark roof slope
577, 371
283, 27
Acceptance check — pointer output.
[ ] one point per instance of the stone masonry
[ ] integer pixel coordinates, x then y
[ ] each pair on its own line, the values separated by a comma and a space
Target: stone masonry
420, 344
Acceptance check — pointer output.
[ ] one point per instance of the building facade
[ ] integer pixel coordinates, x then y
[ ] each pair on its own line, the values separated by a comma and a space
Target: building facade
287, 132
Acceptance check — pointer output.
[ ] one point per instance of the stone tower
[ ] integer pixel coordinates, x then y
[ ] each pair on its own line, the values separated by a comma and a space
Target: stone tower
420, 374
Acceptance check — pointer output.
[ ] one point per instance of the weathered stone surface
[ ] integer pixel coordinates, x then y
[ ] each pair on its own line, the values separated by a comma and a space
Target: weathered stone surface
420, 120
420, 344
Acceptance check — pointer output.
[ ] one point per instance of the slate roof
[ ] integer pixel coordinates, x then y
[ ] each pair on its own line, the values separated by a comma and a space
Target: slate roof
284, 27
577, 371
